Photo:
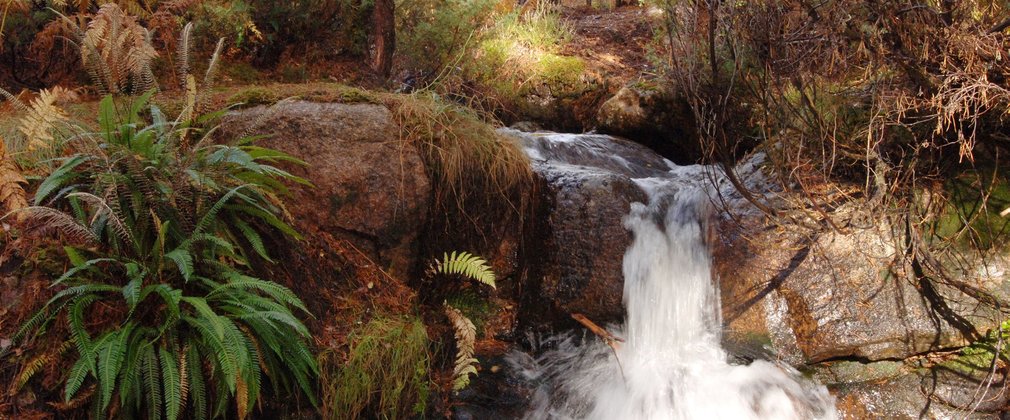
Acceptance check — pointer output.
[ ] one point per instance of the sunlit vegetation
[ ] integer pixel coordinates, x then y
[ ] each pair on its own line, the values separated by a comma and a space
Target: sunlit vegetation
895, 106
495, 58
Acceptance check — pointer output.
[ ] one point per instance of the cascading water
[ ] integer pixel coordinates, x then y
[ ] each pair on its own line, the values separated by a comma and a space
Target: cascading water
671, 364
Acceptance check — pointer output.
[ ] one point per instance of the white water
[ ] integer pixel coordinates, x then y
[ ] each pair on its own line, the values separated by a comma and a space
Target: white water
671, 365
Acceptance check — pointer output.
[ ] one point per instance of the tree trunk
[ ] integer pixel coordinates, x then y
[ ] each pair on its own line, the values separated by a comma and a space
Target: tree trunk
384, 34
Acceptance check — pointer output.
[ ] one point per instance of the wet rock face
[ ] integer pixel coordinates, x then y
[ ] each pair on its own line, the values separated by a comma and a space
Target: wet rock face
588, 242
590, 189
366, 190
938, 392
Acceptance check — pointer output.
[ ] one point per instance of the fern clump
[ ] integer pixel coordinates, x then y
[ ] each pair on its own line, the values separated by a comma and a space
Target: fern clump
161, 224
475, 268
115, 50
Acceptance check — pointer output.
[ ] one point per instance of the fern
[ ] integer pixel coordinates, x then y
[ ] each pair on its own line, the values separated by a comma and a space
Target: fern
41, 120
36, 365
152, 383
116, 50
467, 265
182, 55
211, 75
12, 183
466, 337
179, 279
172, 380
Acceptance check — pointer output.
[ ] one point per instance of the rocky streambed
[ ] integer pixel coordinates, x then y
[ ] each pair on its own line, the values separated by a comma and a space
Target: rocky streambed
841, 307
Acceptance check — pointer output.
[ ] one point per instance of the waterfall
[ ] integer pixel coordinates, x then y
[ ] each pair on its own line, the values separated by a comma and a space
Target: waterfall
671, 364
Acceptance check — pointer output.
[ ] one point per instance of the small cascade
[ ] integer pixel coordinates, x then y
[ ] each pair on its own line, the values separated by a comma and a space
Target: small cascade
671, 364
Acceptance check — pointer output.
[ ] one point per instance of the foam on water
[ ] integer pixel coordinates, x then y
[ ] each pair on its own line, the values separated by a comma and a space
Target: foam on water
671, 364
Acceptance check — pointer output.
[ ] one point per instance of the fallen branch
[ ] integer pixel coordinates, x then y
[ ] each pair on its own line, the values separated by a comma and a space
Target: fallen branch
606, 336
611, 340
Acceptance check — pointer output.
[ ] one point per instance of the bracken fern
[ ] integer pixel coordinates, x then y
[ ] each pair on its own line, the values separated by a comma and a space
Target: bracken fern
115, 50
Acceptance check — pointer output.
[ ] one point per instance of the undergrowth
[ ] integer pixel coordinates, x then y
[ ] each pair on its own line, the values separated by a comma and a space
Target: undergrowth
159, 224
384, 374
496, 59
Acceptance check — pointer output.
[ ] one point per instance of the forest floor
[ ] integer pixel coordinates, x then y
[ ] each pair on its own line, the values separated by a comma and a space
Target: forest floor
614, 43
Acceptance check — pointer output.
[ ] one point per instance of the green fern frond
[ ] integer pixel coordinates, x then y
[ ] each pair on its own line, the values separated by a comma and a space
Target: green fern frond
172, 380
197, 389
78, 333
152, 383
59, 177
277, 292
183, 260
467, 265
78, 373
183, 378
111, 352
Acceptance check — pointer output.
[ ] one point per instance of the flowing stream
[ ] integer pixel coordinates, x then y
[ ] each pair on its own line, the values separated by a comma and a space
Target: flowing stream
671, 364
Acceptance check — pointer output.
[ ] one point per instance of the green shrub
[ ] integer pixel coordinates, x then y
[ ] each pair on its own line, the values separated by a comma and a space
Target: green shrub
491, 56
161, 224
438, 34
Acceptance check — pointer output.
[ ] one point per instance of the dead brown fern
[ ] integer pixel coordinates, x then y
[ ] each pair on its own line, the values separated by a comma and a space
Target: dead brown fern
466, 337
115, 50
43, 119
12, 183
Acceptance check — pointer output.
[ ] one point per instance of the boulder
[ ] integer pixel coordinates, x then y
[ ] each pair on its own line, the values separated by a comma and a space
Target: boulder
842, 306
936, 392
653, 117
583, 273
835, 296
369, 188
623, 112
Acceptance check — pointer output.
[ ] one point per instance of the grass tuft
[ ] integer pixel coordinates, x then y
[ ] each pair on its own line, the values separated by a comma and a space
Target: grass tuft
465, 155
385, 374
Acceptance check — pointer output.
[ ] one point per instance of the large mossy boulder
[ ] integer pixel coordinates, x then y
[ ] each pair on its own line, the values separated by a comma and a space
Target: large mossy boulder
369, 188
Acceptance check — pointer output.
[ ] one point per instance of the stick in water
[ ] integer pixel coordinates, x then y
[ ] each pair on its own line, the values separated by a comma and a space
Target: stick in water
612, 340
